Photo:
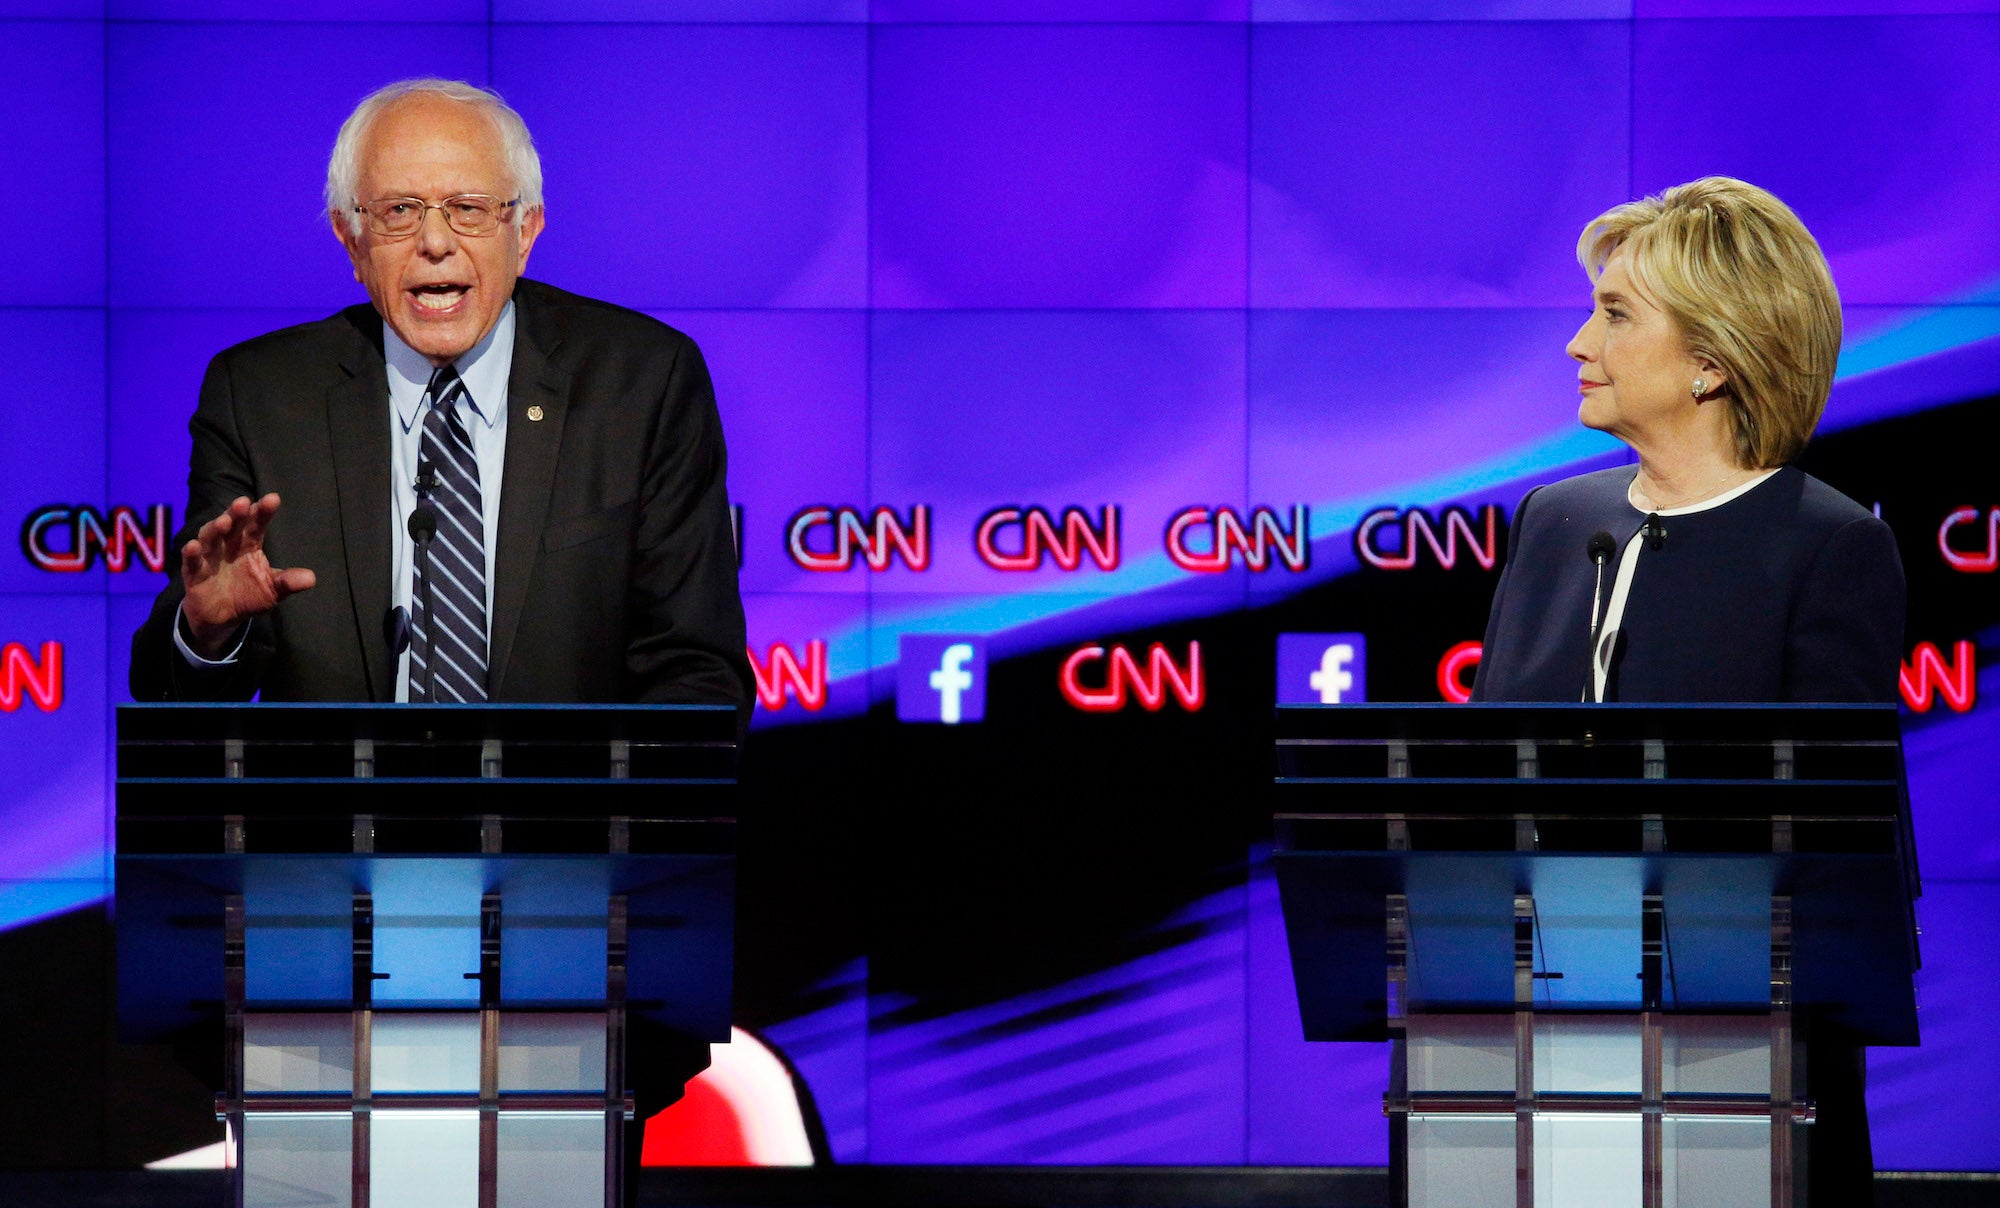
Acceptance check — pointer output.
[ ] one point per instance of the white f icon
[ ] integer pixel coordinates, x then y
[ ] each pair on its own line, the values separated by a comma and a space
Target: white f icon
951, 679
1330, 680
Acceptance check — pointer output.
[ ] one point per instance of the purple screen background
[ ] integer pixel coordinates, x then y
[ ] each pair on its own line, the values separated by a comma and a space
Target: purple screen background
1143, 252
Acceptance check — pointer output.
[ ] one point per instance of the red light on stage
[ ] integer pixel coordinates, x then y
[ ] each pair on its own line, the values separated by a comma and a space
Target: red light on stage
745, 1109
1483, 543
1981, 562
91, 533
781, 673
1125, 679
702, 1129
1957, 682
43, 678
1039, 536
1229, 536
880, 537
1452, 668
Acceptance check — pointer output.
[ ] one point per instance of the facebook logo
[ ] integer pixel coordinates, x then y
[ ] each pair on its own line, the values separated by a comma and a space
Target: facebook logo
1322, 668
941, 678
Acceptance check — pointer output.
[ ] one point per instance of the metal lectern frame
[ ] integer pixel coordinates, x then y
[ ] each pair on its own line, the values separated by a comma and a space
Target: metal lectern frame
1768, 876
612, 822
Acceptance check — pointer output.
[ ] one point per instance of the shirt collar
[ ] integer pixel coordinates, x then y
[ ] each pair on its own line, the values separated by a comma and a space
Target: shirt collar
484, 371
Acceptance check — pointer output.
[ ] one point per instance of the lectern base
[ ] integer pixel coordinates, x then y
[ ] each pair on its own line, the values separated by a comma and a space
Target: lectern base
1642, 1110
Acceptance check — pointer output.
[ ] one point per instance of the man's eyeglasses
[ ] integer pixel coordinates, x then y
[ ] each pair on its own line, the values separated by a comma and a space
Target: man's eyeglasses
471, 214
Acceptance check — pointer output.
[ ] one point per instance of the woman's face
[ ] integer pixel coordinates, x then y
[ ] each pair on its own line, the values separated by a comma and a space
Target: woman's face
1634, 370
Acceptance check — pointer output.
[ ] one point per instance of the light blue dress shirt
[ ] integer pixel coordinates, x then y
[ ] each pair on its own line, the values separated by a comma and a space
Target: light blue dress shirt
484, 410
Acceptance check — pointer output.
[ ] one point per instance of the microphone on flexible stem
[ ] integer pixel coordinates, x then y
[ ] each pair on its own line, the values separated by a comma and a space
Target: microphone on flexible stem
1600, 548
396, 629
424, 526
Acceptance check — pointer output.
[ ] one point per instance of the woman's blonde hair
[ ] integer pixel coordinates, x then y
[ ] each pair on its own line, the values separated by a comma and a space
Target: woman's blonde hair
1749, 289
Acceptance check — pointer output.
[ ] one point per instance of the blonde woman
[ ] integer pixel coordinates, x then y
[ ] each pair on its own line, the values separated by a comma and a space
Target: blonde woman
1713, 570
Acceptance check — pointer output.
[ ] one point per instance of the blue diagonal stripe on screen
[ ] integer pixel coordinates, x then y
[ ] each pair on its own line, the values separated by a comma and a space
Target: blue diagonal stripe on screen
1123, 1065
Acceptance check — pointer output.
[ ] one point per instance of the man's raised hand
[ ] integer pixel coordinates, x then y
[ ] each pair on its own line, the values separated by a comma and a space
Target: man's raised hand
227, 578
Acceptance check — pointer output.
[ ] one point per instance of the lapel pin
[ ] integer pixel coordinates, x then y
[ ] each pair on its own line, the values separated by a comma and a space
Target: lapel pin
535, 414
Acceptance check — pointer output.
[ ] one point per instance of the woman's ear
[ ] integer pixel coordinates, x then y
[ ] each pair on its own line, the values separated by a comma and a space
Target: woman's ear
1707, 380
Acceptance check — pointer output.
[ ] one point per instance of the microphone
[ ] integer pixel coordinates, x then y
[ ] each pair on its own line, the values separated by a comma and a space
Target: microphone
396, 628
427, 482
1600, 548
1656, 533
423, 526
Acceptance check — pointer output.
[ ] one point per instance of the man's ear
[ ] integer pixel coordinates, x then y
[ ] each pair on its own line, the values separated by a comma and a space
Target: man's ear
531, 230
343, 230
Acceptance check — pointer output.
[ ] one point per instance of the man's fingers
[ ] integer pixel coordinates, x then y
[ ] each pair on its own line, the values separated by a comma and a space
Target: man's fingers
216, 533
245, 534
216, 530
256, 519
293, 580
249, 535
237, 531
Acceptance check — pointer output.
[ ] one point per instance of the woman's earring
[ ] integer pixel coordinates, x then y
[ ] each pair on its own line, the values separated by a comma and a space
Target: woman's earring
1700, 388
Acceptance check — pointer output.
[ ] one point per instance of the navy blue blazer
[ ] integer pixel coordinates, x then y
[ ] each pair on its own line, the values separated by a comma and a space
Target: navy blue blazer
1789, 592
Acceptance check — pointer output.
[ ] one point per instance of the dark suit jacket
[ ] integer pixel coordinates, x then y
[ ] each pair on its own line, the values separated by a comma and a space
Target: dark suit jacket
615, 569
1789, 592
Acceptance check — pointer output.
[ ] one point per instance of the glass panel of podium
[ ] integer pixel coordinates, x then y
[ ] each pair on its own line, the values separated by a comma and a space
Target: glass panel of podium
419, 935
1601, 936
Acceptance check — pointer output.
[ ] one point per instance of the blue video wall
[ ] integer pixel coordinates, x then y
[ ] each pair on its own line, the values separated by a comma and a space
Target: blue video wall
1071, 357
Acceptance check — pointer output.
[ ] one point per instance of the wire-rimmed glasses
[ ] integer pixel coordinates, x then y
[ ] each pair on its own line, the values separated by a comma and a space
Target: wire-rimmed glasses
472, 214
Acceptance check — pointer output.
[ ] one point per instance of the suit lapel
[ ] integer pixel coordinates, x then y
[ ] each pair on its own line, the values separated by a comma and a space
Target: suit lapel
534, 382
358, 424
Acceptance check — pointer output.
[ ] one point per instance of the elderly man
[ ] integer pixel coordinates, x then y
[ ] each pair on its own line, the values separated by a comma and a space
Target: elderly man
562, 458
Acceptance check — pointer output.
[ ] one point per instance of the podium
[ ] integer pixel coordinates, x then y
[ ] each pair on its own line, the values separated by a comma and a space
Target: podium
1608, 939
418, 939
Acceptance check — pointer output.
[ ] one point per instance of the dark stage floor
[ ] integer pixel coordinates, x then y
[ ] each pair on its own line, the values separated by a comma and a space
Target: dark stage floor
937, 1187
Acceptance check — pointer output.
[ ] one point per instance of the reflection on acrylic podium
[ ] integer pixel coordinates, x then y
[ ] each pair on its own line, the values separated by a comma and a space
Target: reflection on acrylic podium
1608, 939
418, 938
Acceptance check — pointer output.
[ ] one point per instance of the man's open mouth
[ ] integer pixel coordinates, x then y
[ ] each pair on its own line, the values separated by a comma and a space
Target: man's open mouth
439, 297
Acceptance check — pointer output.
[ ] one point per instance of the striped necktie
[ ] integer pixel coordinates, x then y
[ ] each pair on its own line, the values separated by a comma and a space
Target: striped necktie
457, 572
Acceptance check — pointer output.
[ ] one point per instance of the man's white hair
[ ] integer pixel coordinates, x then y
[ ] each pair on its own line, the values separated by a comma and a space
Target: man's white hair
343, 167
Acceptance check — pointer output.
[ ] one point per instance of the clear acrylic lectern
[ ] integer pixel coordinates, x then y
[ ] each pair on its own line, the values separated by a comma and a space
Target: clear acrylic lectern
420, 938
1608, 938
